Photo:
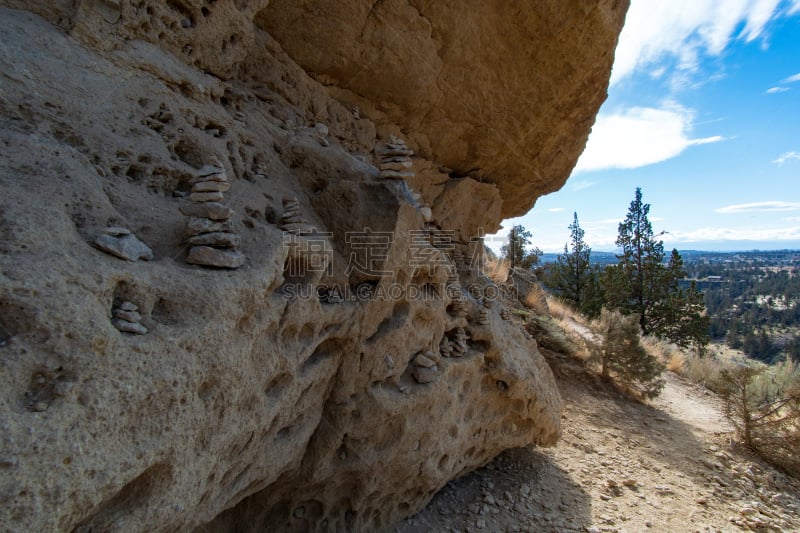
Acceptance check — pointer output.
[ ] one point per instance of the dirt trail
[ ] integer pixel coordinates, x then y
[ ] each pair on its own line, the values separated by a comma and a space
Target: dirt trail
621, 466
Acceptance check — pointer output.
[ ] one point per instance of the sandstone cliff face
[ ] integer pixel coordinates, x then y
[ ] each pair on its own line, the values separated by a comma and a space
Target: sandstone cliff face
259, 398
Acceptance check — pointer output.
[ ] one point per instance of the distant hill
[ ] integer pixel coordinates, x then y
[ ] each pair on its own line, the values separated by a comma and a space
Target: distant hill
600, 258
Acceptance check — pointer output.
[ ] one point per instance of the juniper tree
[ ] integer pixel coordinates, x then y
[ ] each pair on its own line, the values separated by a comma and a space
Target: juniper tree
621, 357
642, 284
572, 276
516, 252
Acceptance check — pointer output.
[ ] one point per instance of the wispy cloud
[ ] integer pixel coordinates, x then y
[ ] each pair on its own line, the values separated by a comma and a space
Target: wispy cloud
581, 185
793, 78
555, 209
731, 234
681, 31
638, 137
788, 156
759, 207
773, 90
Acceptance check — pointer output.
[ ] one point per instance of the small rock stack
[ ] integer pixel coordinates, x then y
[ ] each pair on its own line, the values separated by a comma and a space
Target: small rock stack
425, 367
292, 220
395, 159
459, 260
209, 228
445, 348
126, 318
460, 307
505, 314
483, 317
459, 342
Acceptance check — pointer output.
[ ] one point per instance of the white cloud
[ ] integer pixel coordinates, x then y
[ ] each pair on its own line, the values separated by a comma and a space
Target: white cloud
640, 136
731, 234
788, 156
795, 7
773, 90
759, 207
792, 79
581, 185
683, 30
555, 209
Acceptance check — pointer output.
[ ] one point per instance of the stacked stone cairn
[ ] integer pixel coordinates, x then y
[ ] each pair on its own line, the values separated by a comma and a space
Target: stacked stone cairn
460, 309
445, 348
459, 342
426, 367
394, 159
209, 228
459, 260
292, 220
505, 314
126, 318
483, 317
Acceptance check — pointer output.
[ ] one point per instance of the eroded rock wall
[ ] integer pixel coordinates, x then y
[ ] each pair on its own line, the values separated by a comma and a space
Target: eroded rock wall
259, 398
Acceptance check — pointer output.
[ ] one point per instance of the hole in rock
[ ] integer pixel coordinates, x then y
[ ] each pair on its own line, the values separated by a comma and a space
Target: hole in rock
133, 496
329, 349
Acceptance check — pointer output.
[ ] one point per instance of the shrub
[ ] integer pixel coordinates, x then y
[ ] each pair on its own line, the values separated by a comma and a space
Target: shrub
770, 428
617, 350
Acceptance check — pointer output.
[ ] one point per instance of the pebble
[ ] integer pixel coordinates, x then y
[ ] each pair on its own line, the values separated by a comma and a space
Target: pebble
207, 256
210, 170
211, 186
128, 306
203, 197
129, 327
40, 407
198, 225
210, 210
424, 361
130, 316
116, 231
216, 238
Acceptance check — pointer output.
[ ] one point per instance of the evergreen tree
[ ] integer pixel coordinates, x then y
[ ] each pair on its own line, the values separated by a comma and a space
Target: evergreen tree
635, 280
571, 275
621, 356
516, 252
643, 285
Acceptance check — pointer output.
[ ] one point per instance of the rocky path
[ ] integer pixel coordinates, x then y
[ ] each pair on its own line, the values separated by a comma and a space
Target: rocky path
621, 466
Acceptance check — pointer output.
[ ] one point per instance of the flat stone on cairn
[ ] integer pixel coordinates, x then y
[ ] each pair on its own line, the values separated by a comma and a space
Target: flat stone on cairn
208, 228
126, 319
122, 243
395, 159
292, 220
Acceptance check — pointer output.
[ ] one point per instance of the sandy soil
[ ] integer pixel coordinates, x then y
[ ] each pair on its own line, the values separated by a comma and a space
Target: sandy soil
621, 466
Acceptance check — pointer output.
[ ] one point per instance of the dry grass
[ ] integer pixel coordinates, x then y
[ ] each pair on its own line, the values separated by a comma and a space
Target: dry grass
677, 363
561, 310
537, 300
497, 269
669, 354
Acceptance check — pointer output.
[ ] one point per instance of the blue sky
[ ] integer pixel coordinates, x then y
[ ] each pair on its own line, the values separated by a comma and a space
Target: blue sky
703, 114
